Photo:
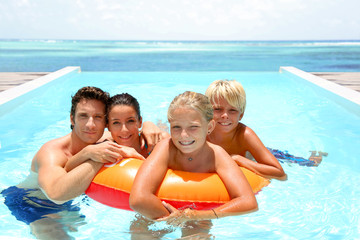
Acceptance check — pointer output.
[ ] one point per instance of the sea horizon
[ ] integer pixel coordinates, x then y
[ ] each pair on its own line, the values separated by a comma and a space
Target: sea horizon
181, 40
47, 55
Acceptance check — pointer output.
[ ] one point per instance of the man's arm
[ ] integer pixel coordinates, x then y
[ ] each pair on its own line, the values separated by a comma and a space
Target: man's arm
58, 184
105, 152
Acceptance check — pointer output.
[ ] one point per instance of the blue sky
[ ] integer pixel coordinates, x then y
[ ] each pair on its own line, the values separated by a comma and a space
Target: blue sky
180, 19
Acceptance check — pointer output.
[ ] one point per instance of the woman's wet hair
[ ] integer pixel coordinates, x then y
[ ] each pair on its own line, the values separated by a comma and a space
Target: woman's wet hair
124, 99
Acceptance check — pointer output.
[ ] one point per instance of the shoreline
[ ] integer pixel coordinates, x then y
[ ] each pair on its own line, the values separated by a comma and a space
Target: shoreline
350, 80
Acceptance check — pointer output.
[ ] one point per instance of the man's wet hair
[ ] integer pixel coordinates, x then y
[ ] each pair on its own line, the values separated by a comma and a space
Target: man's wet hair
90, 93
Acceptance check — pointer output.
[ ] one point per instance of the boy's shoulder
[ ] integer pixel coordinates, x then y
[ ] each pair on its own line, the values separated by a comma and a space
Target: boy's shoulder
243, 131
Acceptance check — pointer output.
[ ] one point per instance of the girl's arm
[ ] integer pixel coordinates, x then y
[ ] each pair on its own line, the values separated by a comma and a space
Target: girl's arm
242, 197
266, 164
147, 182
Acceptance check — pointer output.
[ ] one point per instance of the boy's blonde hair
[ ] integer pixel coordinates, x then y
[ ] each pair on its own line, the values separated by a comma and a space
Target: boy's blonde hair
231, 90
196, 101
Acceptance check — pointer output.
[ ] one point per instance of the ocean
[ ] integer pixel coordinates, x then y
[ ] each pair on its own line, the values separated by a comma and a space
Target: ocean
52, 55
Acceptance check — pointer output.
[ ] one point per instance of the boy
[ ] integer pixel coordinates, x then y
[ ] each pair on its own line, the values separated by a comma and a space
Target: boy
229, 100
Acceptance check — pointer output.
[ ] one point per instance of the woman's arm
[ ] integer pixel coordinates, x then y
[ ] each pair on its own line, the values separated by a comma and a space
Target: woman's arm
147, 182
266, 164
151, 135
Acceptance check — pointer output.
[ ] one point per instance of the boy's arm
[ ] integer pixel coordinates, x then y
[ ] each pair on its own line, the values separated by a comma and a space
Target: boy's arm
266, 164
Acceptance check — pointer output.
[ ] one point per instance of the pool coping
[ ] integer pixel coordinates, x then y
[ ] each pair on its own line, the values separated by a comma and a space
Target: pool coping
341, 91
15, 92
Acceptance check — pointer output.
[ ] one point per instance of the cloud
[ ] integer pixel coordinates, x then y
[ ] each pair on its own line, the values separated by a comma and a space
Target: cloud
173, 19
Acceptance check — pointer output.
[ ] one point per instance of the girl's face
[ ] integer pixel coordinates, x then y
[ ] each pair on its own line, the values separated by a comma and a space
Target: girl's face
189, 129
226, 116
124, 125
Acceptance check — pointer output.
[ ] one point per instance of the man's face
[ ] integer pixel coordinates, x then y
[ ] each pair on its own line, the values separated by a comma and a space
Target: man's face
89, 121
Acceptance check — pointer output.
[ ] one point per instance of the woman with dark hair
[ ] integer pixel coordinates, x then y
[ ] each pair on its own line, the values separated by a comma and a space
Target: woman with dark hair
125, 122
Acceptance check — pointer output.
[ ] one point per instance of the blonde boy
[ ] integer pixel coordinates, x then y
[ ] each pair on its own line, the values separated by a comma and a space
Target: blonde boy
229, 101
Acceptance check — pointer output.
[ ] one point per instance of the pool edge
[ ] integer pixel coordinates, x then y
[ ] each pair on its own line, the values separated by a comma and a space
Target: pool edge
15, 92
344, 92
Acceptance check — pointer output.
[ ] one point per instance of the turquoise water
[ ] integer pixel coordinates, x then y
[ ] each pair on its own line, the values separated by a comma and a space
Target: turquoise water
51, 55
314, 203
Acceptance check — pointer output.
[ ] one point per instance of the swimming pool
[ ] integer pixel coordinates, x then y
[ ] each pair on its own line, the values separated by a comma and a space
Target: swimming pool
286, 113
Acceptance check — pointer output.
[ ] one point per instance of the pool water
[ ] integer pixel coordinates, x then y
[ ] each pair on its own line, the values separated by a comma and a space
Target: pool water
287, 114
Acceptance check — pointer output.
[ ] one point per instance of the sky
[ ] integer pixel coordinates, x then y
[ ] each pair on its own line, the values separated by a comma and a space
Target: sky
180, 19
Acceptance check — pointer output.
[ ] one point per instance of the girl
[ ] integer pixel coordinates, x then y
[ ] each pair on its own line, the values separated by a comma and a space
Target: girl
190, 116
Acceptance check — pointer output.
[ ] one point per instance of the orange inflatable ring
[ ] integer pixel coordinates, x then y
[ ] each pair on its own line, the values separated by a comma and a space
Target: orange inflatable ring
112, 185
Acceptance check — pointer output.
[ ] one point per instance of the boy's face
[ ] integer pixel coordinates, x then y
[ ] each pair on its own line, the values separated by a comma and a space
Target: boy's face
226, 116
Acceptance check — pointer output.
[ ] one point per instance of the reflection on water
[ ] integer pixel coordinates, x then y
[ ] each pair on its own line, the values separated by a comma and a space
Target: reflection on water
142, 228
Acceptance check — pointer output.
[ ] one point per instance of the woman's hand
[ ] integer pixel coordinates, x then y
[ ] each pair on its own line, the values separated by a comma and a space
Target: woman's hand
151, 135
177, 217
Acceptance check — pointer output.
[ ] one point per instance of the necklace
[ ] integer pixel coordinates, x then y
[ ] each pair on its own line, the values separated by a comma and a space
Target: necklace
190, 159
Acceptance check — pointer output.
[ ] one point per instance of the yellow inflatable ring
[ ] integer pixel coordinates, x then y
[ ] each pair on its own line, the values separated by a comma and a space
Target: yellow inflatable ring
112, 185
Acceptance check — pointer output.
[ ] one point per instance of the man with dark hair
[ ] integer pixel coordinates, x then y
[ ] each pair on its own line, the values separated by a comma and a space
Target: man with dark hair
49, 186
88, 121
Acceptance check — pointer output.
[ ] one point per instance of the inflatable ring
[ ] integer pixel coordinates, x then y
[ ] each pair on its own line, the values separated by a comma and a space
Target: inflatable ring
112, 185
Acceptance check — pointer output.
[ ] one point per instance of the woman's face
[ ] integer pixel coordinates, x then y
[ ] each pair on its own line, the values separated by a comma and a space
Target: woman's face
124, 125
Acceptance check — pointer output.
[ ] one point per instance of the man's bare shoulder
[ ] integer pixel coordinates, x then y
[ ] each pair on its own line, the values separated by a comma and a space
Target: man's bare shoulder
56, 144
53, 149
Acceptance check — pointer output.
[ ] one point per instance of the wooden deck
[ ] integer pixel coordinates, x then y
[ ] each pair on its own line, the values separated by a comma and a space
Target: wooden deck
347, 79
13, 79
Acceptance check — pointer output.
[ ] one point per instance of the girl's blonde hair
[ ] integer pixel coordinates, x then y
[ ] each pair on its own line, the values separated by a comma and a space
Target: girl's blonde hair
231, 90
196, 101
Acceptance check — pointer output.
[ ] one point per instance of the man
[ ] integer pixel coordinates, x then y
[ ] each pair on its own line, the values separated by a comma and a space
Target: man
49, 187
88, 121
